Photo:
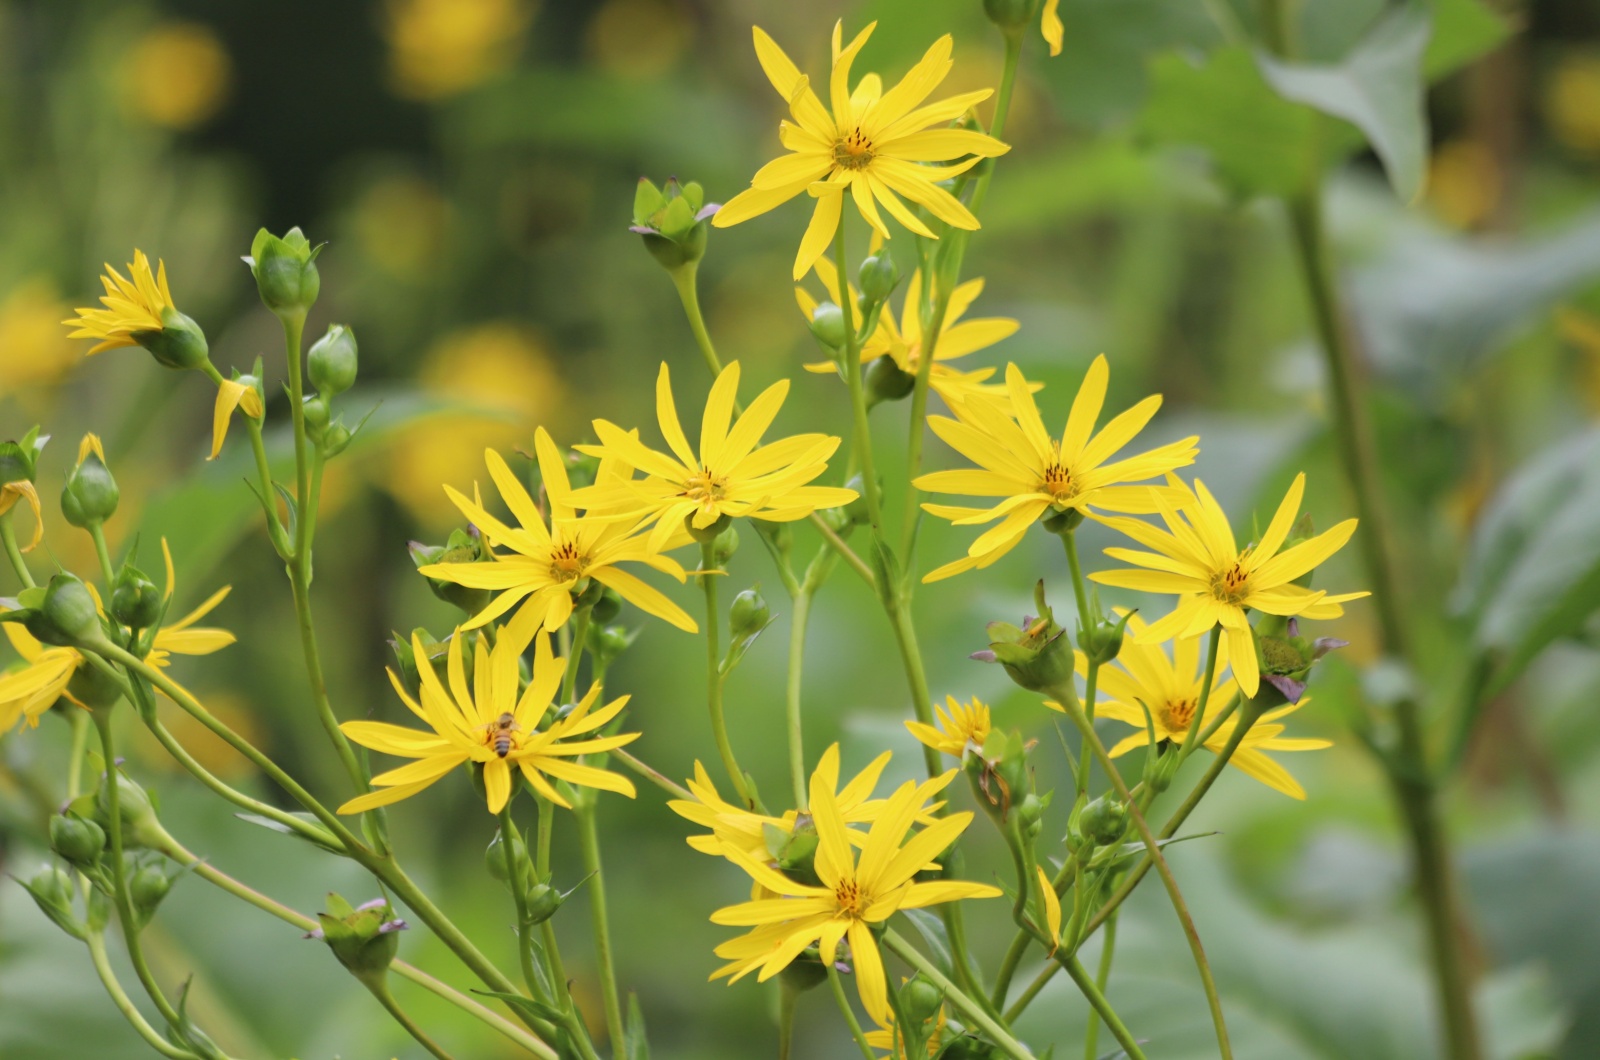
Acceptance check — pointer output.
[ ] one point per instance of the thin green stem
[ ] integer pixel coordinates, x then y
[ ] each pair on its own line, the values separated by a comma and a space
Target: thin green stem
79, 720
294, 324
685, 278
508, 845
275, 531
905, 636
1098, 1002
970, 1008
1108, 949
1190, 742
792, 715
589, 841
580, 636
125, 1005
1086, 728
852, 377
849, 1014
8, 537
1080, 592
380, 990
787, 999
719, 725
98, 535
653, 775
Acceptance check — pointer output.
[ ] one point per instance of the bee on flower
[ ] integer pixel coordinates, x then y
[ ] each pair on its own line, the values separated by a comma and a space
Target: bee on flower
872, 144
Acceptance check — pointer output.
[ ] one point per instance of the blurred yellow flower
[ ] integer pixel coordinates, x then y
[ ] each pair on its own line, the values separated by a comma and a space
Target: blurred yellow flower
1035, 474
1216, 581
854, 893
494, 722
1464, 183
639, 38
133, 306
732, 476
35, 350
441, 48
959, 728
503, 372
903, 342
1050, 26
1582, 330
400, 223
177, 75
547, 566
871, 146
1572, 102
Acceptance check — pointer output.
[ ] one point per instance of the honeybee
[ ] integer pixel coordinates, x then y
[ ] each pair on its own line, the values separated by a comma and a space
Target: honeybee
501, 729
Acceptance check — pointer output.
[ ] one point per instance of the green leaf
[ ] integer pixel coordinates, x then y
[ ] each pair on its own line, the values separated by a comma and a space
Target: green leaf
1533, 574
931, 928
526, 1006
634, 1045
1130, 851
1378, 88
278, 826
1463, 30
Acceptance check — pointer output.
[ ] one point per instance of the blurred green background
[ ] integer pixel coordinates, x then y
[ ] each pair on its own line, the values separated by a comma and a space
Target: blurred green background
471, 165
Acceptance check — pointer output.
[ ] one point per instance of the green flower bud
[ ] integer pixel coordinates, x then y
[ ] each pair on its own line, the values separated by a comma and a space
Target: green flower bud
857, 509
1285, 663
1011, 14
1030, 814
1102, 640
406, 660
51, 889
1036, 655
1103, 821
827, 324
920, 999
748, 615
140, 826
332, 361
147, 887
725, 545
314, 409
19, 460
66, 616
365, 938
886, 382
463, 546
878, 277
136, 601
285, 270
1061, 521
90, 496
704, 534
804, 972
494, 860
674, 221
335, 440
181, 343
77, 840
607, 606
608, 642
999, 774
93, 688
542, 902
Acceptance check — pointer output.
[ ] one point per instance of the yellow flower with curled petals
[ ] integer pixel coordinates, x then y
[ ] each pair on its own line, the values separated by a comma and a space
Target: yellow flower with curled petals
855, 892
22, 489
1217, 582
493, 722
546, 566
1035, 474
32, 688
731, 476
133, 306
183, 637
872, 145
902, 342
233, 394
959, 728
1052, 907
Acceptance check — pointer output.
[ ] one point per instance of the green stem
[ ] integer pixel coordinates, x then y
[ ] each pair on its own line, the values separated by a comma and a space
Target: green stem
792, 714
294, 324
98, 534
1098, 1002
1091, 1036
719, 725
852, 378
269, 494
970, 1008
905, 636
589, 840
8, 537
684, 278
379, 988
508, 838
125, 1005
79, 720
1086, 728
786, 1006
854, 1024
653, 775
1189, 737
1080, 592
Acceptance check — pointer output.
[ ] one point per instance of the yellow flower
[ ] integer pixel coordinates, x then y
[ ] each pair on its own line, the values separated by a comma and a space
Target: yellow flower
1572, 102
732, 476
1050, 26
1216, 581
10, 493
903, 342
232, 394
1036, 474
488, 722
959, 727
1052, 907
182, 637
441, 48
33, 688
854, 895
870, 145
133, 307
177, 75
734, 826
1170, 686
549, 565
30, 332
887, 1038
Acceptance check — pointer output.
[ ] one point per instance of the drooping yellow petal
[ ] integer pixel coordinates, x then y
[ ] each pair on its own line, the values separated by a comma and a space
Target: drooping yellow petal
231, 395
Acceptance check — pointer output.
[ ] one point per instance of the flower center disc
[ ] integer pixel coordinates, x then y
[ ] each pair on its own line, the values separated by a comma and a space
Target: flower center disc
851, 900
1232, 585
567, 563
1177, 715
854, 151
704, 487
1058, 483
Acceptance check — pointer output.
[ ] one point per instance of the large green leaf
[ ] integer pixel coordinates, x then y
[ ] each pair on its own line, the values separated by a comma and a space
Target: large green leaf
1533, 575
1378, 88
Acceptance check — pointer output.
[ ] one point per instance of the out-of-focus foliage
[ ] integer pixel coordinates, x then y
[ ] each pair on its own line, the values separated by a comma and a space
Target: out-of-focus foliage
473, 165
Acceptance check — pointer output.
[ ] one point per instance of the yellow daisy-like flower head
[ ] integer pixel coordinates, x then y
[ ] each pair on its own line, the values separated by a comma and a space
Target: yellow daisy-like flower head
1216, 581
902, 342
871, 145
960, 727
855, 892
32, 688
1169, 686
731, 476
19, 466
492, 721
546, 566
138, 311
1035, 474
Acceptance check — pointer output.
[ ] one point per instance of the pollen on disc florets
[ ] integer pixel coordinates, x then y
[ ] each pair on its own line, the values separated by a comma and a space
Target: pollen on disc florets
855, 151
567, 564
